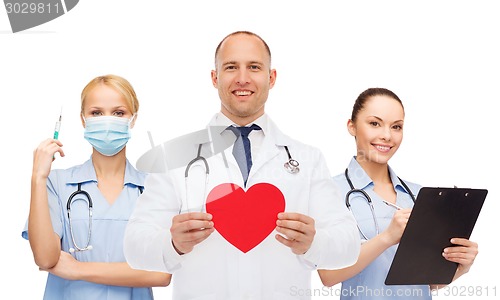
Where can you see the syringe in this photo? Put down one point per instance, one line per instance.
(58, 126)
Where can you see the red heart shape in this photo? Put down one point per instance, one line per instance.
(245, 219)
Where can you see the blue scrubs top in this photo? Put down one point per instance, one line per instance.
(369, 283)
(108, 228)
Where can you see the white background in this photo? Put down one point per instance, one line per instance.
(440, 57)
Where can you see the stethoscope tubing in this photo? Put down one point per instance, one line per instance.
(79, 191)
(90, 204)
(368, 200)
(291, 166)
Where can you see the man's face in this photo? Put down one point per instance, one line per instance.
(243, 78)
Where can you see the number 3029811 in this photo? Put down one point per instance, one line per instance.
(467, 291)
(32, 8)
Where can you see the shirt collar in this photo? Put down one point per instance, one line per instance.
(357, 175)
(361, 180)
(396, 182)
(224, 122)
(133, 176)
(86, 173)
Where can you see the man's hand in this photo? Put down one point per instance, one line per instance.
(298, 229)
(190, 229)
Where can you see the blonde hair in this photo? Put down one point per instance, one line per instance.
(118, 83)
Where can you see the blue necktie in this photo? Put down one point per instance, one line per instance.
(241, 148)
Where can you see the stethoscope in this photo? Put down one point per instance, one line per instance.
(291, 166)
(79, 191)
(369, 200)
(198, 157)
(88, 199)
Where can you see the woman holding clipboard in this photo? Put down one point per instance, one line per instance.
(381, 203)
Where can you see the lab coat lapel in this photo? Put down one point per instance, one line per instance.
(234, 169)
(268, 151)
(270, 147)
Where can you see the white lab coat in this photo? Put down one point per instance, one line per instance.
(215, 269)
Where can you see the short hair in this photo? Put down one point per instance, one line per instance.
(242, 32)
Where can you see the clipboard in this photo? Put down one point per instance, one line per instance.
(438, 215)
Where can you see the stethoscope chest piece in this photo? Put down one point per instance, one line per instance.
(292, 166)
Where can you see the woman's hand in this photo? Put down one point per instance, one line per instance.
(43, 157)
(394, 231)
(463, 252)
(66, 267)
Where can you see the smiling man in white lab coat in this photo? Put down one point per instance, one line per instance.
(255, 236)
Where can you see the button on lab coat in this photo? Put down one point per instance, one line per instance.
(215, 269)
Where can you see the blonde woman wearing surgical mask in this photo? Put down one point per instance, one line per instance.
(83, 254)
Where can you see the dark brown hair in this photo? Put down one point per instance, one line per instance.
(364, 96)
